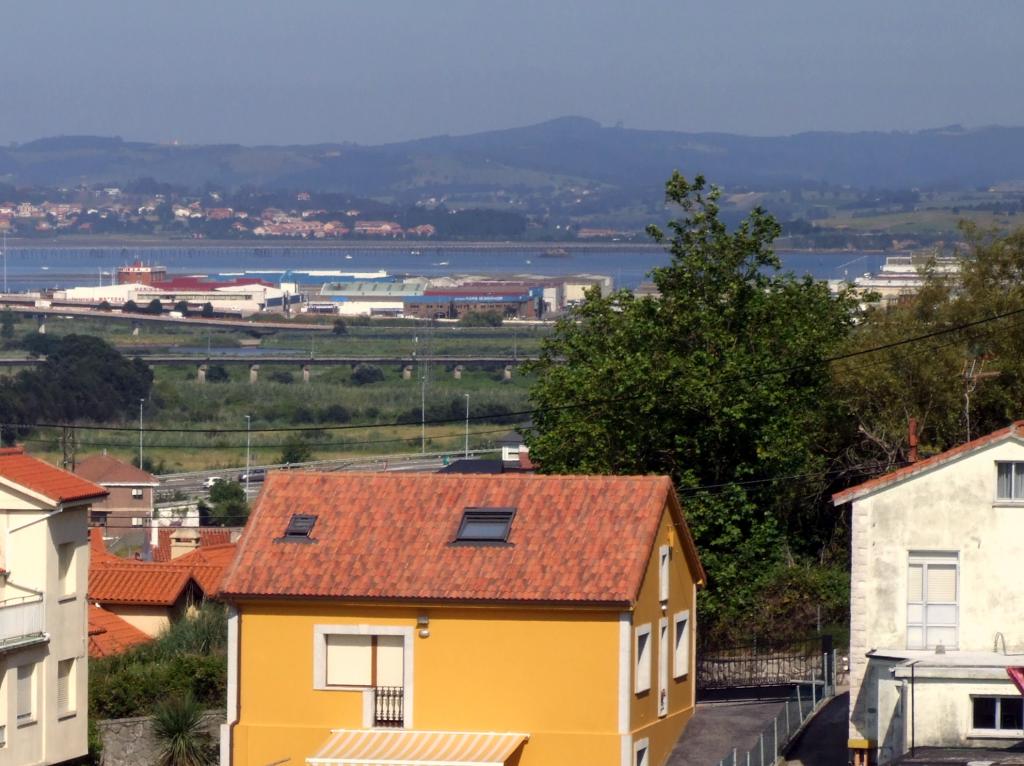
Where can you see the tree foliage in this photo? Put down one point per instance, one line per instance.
(228, 506)
(717, 383)
(295, 450)
(82, 379)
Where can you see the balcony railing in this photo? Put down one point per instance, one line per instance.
(388, 706)
(21, 620)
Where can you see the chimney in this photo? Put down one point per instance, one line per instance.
(912, 440)
(183, 541)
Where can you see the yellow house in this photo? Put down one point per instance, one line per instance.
(455, 619)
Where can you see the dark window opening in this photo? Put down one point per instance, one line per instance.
(485, 525)
(300, 526)
(998, 713)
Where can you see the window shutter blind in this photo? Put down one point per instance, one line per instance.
(941, 584)
(349, 660)
(25, 692)
(390, 661)
(915, 588)
(63, 686)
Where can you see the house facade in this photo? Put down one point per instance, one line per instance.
(44, 560)
(936, 611)
(129, 502)
(445, 618)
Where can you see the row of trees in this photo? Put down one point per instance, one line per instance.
(738, 383)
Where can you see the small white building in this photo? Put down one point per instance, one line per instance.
(936, 604)
(44, 564)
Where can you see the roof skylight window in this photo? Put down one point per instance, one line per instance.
(300, 526)
(485, 525)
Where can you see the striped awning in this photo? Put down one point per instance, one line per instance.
(404, 747)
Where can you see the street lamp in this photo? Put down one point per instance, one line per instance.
(467, 425)
(248, 444)
(140, 432)
(423, 414)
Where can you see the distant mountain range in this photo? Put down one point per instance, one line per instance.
(553, 155)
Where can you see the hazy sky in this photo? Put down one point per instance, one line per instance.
(303, 71)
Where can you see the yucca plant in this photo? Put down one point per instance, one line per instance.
(178, 725)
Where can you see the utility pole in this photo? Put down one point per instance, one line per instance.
(248, 443)
(467, 425)
(141, 401)
(423, 414)
(5, 261)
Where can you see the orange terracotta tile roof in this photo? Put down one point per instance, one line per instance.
(104, 469)
(1015, 429)
(137, 582)
(207, 537)
(208, 564)
(110, 634)
(581, 539)
(38, 476)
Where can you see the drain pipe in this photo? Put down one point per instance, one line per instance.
(913, 711)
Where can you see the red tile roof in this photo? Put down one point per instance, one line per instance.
(583, 539)
(104, 469)
(208, 564)
(41, 478)
(137, 582)
(1015, 429)
(207, 537)
(110, 634)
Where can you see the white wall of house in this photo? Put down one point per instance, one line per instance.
(54, 732)
(951, 512)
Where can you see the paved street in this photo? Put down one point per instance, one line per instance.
(823, 742)
(717, 727)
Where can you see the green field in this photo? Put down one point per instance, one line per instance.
(339, 417)
(938, 222)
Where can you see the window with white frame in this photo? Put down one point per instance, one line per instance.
(933, 599)
(26, 692)
(66, 569)
(1010, 481)
(3, 707)
(642, 658)
(360, 660)
(664, 558)
(66, 687)
(641, 753)
(137, 493)
(998, 714)
(663, 666)
(681, 644)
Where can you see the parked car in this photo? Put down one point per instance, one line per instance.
(255, 474)
(212, 480)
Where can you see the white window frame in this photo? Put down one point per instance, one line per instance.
(681, 644)
(3, 707)
(663, 644)
(29, 718)
(664, 561)
(320, 633)
(642, 659)
(642, 752)
(138, 493)
(71, 692)
(996, 732)
(924, 559)
(1011, 500)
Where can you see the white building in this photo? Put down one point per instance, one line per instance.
(44, 564)
(936, 607)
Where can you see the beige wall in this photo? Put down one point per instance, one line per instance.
(31, 557)
(951, 508)
(151, 620)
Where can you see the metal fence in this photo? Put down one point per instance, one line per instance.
(760, 664)
(21, 618)
(800, 706)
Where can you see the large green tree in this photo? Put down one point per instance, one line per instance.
(717, 382)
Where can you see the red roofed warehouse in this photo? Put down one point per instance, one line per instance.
(453, 618)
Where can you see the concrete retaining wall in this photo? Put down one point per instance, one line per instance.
(130, 741)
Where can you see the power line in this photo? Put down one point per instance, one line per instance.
(568, 406)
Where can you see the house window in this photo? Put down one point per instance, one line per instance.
(66, 687)
(1010, 481)
(66, 569)
(360, 660)
(485, 525)
(26, 694)
(681, 645)
(998, 714)
(137, 493)
(664, 556)
(642, 656)
(932, 600)
(663, 666)
(641, 753)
